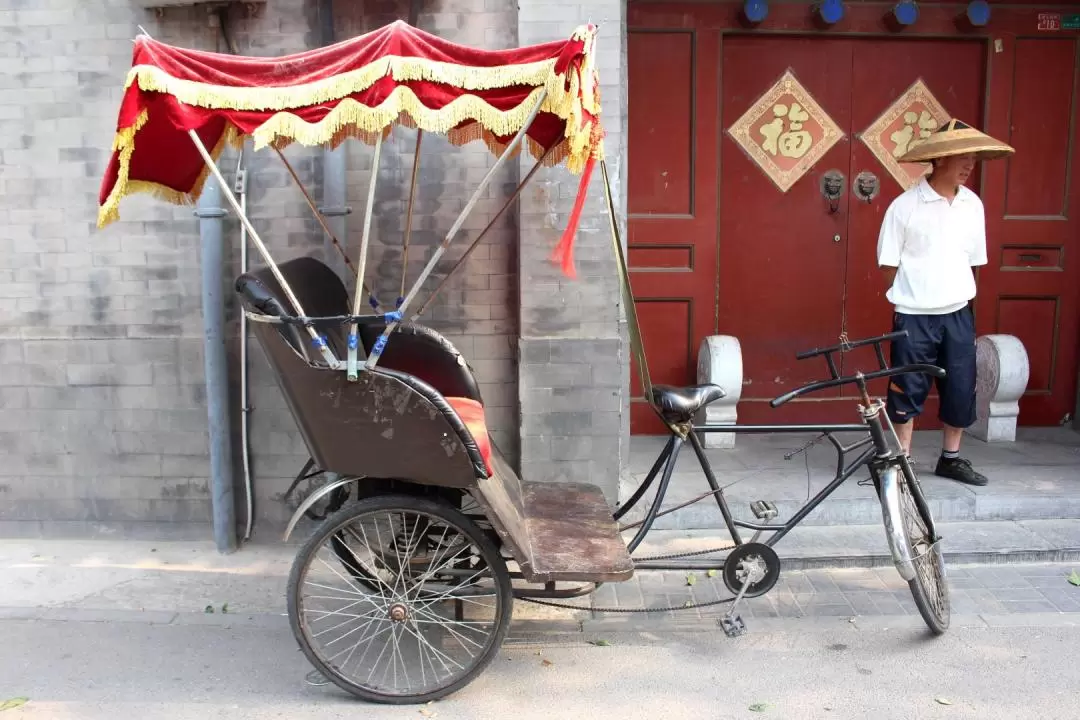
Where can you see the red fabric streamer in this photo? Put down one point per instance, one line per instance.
(564, 251)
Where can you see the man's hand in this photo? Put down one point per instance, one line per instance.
(890, 275)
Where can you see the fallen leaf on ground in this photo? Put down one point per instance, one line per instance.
(1074, 578)
(427, 713)
(225, 608)
(13, 703)
(711, 573)
(209, 610)
(601, 643)
(691, 578)
(759, 707)
(942, 701)
(546, 663)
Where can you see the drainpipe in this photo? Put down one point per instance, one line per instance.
(212, 261)
(335, 163)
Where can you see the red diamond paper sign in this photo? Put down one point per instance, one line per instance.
(785, 132)
(904, 124)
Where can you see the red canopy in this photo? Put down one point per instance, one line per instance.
(356, 88)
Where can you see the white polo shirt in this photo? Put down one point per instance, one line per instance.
(934, 243)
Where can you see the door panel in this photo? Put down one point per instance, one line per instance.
(1030, 289)
(882, 73)
(782, 254)
(671, 243)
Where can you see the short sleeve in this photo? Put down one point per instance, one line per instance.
(978, 238)
(890, 239)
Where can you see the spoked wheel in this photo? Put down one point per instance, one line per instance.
(399, 599)
(929, 587)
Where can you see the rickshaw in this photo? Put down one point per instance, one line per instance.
(404, 591)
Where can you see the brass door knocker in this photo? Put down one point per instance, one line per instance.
(832, 188)
(866, 186)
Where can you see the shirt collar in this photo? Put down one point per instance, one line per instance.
(928, 194)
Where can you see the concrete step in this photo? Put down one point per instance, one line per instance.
(1034, 479)
(809, 547)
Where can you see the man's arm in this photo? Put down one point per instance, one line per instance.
(890, 275)
(890, 243)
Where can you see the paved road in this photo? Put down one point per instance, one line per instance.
(247, 669)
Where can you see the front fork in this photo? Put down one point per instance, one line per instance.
(890, 468)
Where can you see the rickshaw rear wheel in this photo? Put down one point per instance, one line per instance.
(428, 557)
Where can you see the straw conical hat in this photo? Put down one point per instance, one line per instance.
(957, 138)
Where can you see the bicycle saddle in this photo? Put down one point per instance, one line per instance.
(678, 404)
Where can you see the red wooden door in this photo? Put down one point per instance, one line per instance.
(729, 247)
(891, 79)
(782, 246)
(1031, 287)
(671, 243)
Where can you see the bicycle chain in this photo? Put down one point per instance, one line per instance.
(630, 610)
(673, 556)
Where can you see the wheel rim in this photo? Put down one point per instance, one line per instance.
(926, 555)
(411, 608)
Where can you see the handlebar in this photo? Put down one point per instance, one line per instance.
(933, 370)
(844, 347)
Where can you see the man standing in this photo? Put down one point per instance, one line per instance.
(932, 237)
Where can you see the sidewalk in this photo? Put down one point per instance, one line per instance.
(191, 584)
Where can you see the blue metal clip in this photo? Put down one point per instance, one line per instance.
(380, 345)
(373, 302)
(393, 316)
(319, 341)
(401, 299)
(353, 342)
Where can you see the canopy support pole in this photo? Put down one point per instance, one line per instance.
(354, 340)
(637, 348)
(316, 339)
(408, 217)
(380, 344)
(461, 261)
(320, 218)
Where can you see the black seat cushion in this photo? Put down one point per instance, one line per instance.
(423, 352)
(678, 404)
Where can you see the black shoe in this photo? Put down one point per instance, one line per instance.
(960, 470)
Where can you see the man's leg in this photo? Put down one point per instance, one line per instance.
(957, 392)
(908, 392)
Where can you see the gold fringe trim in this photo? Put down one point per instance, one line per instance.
(353, 119)
(402, 69)
(124, 141)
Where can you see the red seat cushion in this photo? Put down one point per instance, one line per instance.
(472, 414)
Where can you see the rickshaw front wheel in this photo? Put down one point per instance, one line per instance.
(399, 599)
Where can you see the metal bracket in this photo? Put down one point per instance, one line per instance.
(336, 211)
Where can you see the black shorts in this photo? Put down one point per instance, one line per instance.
(947, 341)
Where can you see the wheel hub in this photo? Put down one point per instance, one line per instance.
(398, 613)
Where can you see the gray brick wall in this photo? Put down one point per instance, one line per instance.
(574, 358)
(102, 401)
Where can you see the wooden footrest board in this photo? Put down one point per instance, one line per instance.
(572, 535)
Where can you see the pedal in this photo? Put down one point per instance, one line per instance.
(733, 625)
(763, 509)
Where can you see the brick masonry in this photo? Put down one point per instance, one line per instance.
(574, 360)
(102, 399)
